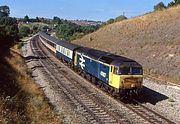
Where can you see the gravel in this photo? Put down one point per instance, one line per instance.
(166, 97)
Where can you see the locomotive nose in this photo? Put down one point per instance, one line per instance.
(131, 82)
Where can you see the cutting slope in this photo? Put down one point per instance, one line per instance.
(152, 39)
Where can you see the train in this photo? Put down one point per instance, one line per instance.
(114, 73)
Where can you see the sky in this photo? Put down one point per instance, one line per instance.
(98, 10)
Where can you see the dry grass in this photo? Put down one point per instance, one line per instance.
(22, 101)
(153, 40)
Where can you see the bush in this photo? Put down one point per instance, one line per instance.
(24, 31)
(120, 18)
(110, 21)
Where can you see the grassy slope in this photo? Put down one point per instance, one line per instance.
(152, 39)
(21, 100)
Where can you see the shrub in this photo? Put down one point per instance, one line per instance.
(24, 31)
(110, 21)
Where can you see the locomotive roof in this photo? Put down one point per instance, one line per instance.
(123, 61)
(109, 58)
(63, 43)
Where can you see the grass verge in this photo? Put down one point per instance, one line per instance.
(21, 100)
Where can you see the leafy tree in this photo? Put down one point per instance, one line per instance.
(57, 20)
(8, 28)
(37, 19)
(120, 18)
(26, 18)
(160, 6)
(4, 11)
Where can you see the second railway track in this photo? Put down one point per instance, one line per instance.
(90, 105)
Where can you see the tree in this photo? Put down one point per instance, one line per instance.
(88, 29)
(35, 29)
(177, 2)
(120, 18)
(45, 28)
(171, 4)
(8, 28)
(37, 19)
(67, 30)
(57, 20)
(26, 18)
(4, 11)
(160, 6)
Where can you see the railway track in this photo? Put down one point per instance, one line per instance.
(90, 105)
(146, 113)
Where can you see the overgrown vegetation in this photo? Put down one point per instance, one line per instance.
(21, 100)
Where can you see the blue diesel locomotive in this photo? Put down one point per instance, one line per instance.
(113, 72)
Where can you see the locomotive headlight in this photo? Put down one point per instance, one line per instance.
(133, 85)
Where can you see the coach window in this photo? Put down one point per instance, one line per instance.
(58, 48)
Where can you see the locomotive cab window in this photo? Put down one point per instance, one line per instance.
(125, 70)
(137, 71)
(111, 69)
(130, 70)
(116, 70)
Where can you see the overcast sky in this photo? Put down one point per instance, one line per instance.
(100, 10)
